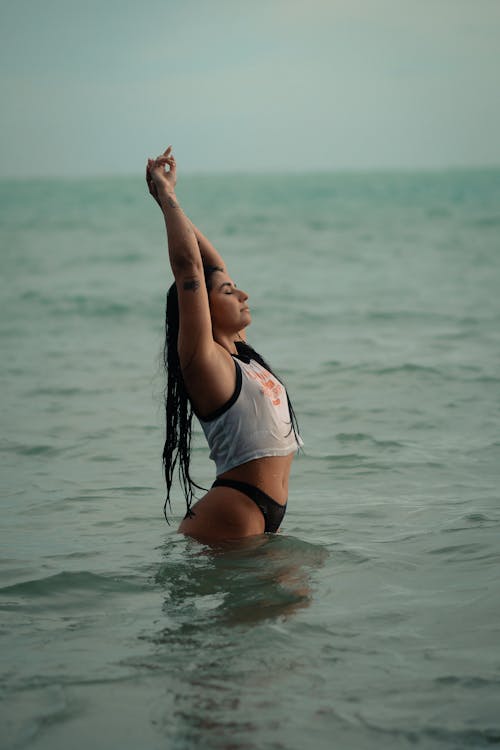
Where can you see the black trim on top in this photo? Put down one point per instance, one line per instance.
(242, 358)
(222, 409)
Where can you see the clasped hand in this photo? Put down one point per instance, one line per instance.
(158, 178)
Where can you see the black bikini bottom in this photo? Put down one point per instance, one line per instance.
(272, 511)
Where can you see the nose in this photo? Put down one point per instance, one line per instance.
(243, 295)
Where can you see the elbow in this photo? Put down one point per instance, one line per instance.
(186, 264)
(184, 254)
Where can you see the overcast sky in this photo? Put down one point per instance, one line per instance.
(95, 86)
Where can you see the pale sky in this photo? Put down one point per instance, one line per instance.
(95, 86)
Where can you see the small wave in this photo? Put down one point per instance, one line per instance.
(472, 738)
(86, 306)
(133, 489)
(69, 581)
(332, 364)
(90, 495)
(20, 449)
(357, 557)
(369, 368)
(486, 221)
(462, 552)
(55, 391)
(486, 379)
(484, 450)
(399, 315)
(407, 367)
(348, 437)
(341, 457)
(317, 225)
(128, 258)
(477, 518)
(82, 305)
(470, 681)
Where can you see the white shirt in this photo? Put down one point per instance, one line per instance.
(254, 423)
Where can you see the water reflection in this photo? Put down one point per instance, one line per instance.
(239, 582)
(225, 641)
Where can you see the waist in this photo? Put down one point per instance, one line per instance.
(270, 474)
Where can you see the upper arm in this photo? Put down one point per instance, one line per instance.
(207, 369)
(195, 324)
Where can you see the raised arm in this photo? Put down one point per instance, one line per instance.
(195, 329)
(208, 369)
(210, 256)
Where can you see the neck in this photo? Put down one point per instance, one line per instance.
(226, 340)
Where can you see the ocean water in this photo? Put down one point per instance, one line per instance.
(373, 619)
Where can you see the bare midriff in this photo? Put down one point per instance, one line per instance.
(270, 474)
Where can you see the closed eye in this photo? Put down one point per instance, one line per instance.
(230, 287)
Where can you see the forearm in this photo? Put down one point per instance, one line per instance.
(183, 246)
(209, 254)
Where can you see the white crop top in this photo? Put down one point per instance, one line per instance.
(254, 423)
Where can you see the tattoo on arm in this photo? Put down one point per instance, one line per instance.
(191, 285)
(171, 202)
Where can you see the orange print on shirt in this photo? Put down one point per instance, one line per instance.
(269, 387)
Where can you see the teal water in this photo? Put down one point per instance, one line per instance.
(372, 620)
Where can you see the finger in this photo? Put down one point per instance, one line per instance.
(167, 150)
(163, 161)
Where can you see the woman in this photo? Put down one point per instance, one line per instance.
(242, 407)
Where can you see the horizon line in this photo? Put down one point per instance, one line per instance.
(278, 172)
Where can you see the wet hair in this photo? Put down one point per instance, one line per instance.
(178, 408)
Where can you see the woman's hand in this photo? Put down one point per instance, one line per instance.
(158, 179)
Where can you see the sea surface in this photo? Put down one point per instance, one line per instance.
(373, 619)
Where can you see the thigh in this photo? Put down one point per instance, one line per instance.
(223, 513)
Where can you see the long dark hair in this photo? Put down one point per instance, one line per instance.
(178, 409)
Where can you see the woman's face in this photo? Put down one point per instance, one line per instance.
(228, 304)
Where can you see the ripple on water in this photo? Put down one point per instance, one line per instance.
(68, 583)
(22, 449)
(466, 552)
(358, 437)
